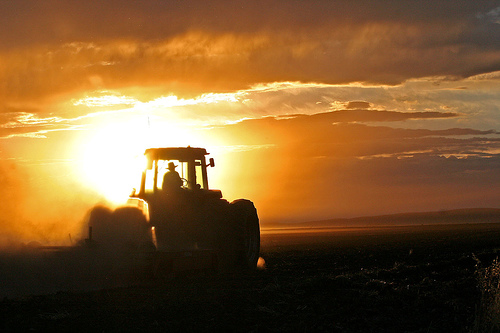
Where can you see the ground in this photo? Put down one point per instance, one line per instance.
(395, 279)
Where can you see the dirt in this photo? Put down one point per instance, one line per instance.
(395, 279)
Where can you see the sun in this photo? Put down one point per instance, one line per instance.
(112, 157)
(113, 161)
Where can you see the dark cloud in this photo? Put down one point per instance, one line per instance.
(59, 47)
(322, 143)
(358, 105)
(355, 169)
(358, 169)
(335, 126)
(377, 116)
(58, 21)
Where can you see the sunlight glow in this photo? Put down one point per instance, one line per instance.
(112, 156)
(172, 101)
(112, 152)
(113, 161)
(24, 119)
(106, 100)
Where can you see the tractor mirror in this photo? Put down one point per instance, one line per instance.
(212, 162)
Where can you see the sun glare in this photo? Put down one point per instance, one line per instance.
(113, 155)
(112, 152)
(112, 162)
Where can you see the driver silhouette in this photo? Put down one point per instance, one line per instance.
(171, 179)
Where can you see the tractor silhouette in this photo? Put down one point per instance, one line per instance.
(174, 214)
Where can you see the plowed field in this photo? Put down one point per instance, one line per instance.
(394, 279)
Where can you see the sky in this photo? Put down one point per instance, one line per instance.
(311, 109)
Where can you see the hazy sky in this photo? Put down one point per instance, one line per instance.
(312, 109)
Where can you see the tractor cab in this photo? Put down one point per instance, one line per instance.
(189, 163)
(180, 213)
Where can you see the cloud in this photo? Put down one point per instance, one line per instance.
(345, 126)
(418, 100)
(55, 48)
(358, 105)
(377, 116)
(24, 124)
(356, 170)
(54, 21)
(294, 183)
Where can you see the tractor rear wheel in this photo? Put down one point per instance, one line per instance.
(247, 223)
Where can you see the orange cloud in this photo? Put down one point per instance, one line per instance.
(314, 165)
(53, 48)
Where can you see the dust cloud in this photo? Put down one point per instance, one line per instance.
(34, 268)
(42, 229)
(49, 213)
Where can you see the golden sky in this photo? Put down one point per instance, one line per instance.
(312, 109)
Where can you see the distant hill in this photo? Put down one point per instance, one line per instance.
(457, 216)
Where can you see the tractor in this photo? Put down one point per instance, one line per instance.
(174, 214)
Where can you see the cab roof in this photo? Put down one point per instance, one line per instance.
(175, 153)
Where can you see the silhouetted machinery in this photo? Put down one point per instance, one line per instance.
(177, 219)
